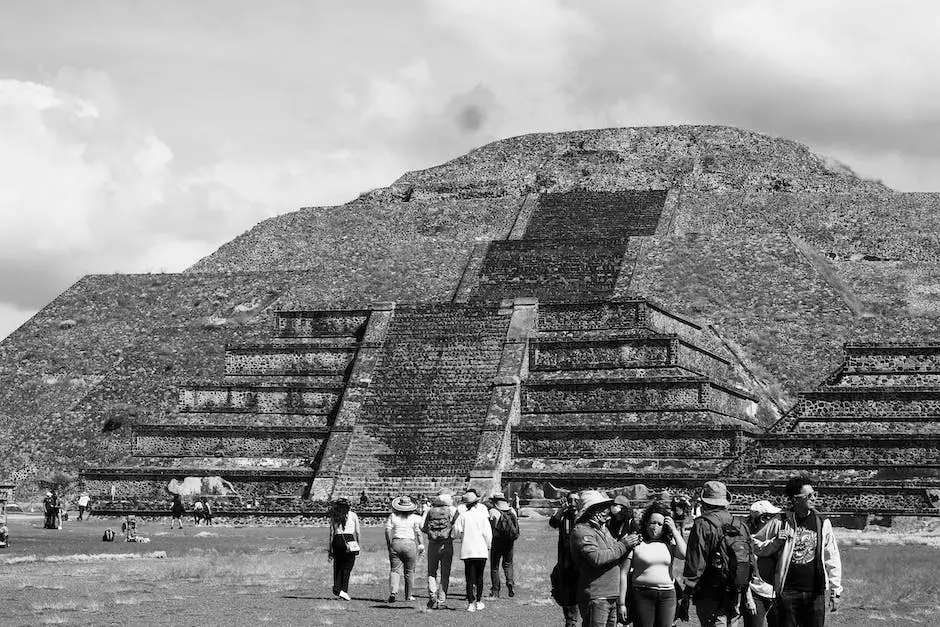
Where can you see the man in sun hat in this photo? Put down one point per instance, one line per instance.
(405, 542)
(505, 531)
(703, 581)
(597, 556)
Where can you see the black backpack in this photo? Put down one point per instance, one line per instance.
(507, 526)
(734, 557)
(108, 536)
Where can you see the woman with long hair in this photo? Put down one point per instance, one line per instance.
(344, 545)
(405, 543)
(646, 573)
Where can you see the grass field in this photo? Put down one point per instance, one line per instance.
(233, 575)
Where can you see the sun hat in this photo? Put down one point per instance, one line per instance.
(471, 496)
(403, 504)
(443, 500)
(591, 500)
(500, 502)
(764, 507)
(715, 493)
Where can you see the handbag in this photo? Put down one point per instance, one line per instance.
(352, 546)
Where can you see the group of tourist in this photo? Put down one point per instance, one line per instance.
(202, 511)
(487, 529)
(777, 568)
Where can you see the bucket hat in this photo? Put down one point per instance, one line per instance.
(471, 496)
(764, 507)
(715, 493)
(500, 502)
(403, 504)
(591, 500)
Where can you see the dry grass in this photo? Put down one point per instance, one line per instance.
(250, 576)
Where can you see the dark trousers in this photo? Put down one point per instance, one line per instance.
(473, 568)
(598, 612)
(801, 609)
(501, 550)
(343, 562)
(711, 608)
(653, 608)
(440, 557)
(81, 512)
(766, 615)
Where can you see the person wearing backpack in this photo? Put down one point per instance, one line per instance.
(719, 561)
(438, 526)
(505, 524)
(809, 565)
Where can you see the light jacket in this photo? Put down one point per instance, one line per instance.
(766, 543)
(473, 525)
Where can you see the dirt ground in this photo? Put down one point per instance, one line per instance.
(235, 575)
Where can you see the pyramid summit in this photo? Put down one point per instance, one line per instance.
(641, 305)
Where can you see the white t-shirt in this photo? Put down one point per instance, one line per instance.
(650, 563)
(83, 500)
(404, 527)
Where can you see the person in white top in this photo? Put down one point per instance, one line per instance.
(83, 502)
(646, 572)
(405, 542)
(473, 526)
(344, 545)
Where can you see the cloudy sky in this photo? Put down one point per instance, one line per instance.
(139, 136)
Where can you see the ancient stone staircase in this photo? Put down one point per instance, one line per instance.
(624, 390)
(871, 432)
(261, 429)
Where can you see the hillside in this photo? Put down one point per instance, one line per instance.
(786, 253)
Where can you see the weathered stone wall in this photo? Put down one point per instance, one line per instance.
(295, 399)
(579, 216)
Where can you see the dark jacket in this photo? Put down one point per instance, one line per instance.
(177, 508)
(597, 557)
(563, 521)
(699, 573)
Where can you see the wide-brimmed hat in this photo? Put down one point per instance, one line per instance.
(442, 500)
(500, 502)
(403, 504)
(715, 493)
(592, 500)
(764, 507)
(471, 496)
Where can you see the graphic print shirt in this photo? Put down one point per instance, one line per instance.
(803, 570)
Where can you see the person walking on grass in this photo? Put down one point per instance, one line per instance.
(564, 577)
(83, 502)
(473, 526)
(646, 577)
(439, 526)
(176, 511)
(197, 512)
(809, 565)
(505, 523)
(344, 545)
(405, 543)
(206, 511)
(597, 556)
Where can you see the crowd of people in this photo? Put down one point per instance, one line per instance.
(202, 512)
(487, 529)
(775, 568)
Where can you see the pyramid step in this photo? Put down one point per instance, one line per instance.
(151, 440)
(650, 418)
(273, 398)
(893, 356)
(288, 360)
(241, 420)
(875, 401)
(324, 323)
(848, 451)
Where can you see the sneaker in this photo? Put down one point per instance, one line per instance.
(411, 599)
(344, 595)
(391, 598)
(509, 589)
(480, 605)
(494, 594)
(471, 607)
(432, 604)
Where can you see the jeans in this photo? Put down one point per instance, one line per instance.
(343, 562)
(81, 512)
(652, 607)
(571, 613)
(502, 549)
(473, 568)
(766, 615)
(440, 557)
(711, 608)
(801, 609)
(402, 556)
(599, 612)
